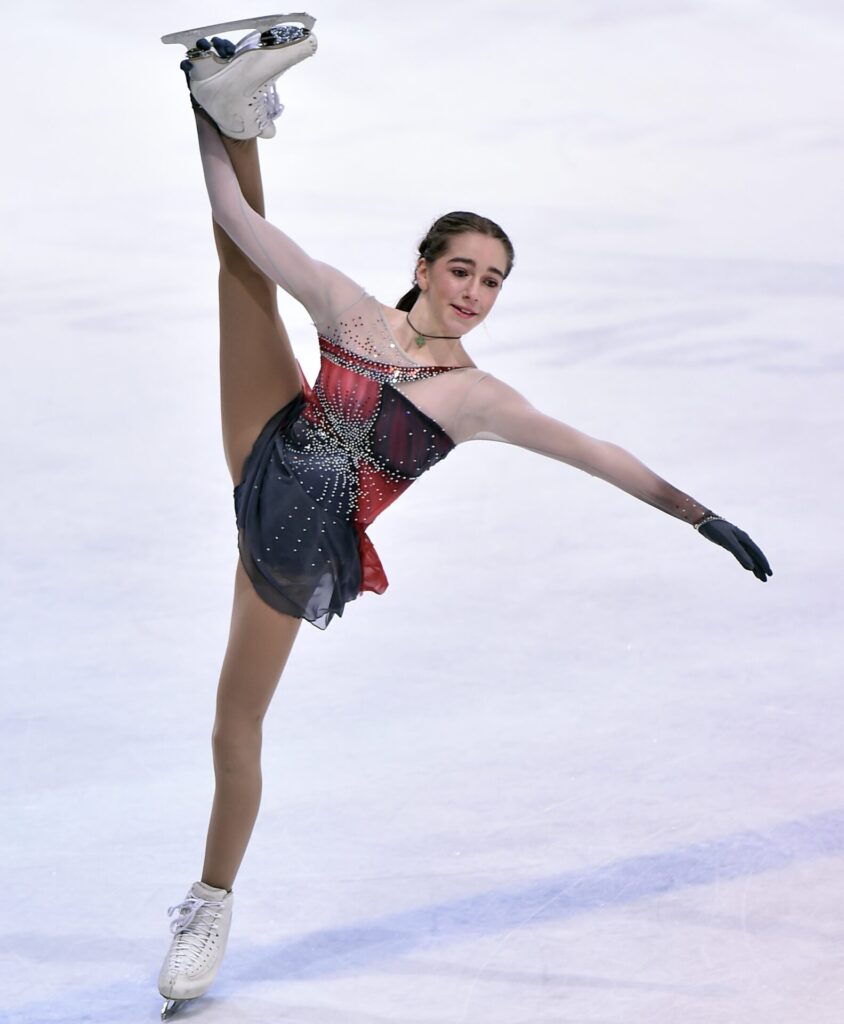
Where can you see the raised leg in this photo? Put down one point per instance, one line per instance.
(258, 370)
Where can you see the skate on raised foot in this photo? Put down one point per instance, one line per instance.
(200, 931)
(235, 83)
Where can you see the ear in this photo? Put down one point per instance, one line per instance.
(422, 273)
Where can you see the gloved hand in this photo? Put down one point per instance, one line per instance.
(736, 541)
(225, 48)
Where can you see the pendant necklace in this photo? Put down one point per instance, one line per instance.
(420, 338)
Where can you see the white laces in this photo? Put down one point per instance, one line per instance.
(271, 101)
(188, 909)
(267, 105)
(192, 927)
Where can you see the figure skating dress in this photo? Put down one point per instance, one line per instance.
(320, 472)
(375, 419)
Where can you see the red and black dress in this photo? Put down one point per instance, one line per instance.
(320, 472)
(332, 459)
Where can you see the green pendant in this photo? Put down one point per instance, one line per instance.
(420, 341)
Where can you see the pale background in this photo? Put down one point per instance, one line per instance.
(575, 765)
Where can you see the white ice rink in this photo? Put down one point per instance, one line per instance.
(575, 766)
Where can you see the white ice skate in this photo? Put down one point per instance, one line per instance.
(200, 930)
(237, 88)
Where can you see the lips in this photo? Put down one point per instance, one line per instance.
(467, 314)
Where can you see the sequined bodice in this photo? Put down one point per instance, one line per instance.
(360, 442)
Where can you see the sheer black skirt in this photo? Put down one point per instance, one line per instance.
(302, 557)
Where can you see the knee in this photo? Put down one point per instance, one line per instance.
(236, 745)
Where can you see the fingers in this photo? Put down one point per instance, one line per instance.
(732, 544)
(756, 553)
(761, 570)
(749, 555)
(224, 47)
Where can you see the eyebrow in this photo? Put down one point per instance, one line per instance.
(471, 263)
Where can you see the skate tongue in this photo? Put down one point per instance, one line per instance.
(202, 891)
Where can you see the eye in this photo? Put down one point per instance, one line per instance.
(491, 282)
(458, 271)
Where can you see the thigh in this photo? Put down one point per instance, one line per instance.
(260, 641)
(258, 370)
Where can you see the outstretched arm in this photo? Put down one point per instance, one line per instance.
(321, 289)
(495, 411)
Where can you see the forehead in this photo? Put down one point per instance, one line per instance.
(474, 243)
(485, 252)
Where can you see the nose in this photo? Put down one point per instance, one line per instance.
(471, 287)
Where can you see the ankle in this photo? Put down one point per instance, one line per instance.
(217, 881)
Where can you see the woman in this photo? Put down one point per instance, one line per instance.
(313, 467)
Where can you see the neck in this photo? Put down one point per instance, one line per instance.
(429, 337)
(425, 328)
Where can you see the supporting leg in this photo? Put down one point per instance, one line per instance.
(259, 644)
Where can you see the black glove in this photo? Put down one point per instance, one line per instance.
(736, 541)
(225, 48)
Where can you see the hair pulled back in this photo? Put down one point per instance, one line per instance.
(435, 243)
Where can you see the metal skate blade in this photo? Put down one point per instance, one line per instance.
(172, 1007)
(189, 36)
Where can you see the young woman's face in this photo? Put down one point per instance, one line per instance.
(461, 286)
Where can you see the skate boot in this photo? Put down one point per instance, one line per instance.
(264, 106)
(235, 83)
(200, 931)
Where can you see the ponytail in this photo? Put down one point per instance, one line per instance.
(408, 300)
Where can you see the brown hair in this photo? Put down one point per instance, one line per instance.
(435, 243)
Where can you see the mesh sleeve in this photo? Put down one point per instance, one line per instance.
(322, 290)
(496, 412)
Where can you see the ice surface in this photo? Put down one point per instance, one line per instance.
(620, 799)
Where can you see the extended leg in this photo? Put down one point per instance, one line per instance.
(258, 371)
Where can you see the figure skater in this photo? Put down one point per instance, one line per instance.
(314, 465)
